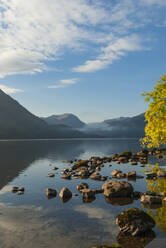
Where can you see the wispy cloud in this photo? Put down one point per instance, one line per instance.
(69, 81)
(63, 83)
(114, 51)
(57, 86)
(9, 90)
(35, 32)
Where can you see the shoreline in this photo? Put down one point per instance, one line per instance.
(6, 140)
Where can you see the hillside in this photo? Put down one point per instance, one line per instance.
(64, 119)
(16, 121)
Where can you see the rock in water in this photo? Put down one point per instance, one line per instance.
(65, 194)
(51, 192)
(117, 189)
(82, 186)
(134, 222)
(80, 163)
(149, 199)
(88, 195)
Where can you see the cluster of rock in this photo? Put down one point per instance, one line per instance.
(129, 175)
(89, 168)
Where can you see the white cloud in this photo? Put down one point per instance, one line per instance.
(35, 32)
(114, 51)
(63, 83)
(8, 90)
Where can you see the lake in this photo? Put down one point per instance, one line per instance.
(33, 220)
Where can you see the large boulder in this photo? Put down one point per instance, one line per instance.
(117, 189)
(134, 222)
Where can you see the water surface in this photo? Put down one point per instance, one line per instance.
(31, 220)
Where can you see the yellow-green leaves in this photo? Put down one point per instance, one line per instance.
(155, 130)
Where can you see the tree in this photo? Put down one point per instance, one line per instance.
(155, 116)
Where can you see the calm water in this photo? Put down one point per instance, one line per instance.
(31, 220)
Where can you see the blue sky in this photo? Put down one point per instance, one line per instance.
(92, 58)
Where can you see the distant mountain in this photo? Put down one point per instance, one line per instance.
(16, 121)
(123, 127)
(64, 119)
(128, 126)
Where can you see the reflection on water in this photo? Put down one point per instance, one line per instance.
(31, 220)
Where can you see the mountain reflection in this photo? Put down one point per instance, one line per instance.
(16, 156)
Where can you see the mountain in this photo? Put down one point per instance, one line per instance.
(16, 121)
(69, 120)
(128, 126)
(123, 127)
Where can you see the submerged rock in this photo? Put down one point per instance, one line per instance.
(117, 189)
(65, 194)
(134, 222)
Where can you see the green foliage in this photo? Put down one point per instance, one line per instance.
(155, 130)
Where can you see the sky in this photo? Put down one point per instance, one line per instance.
(92, 58)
